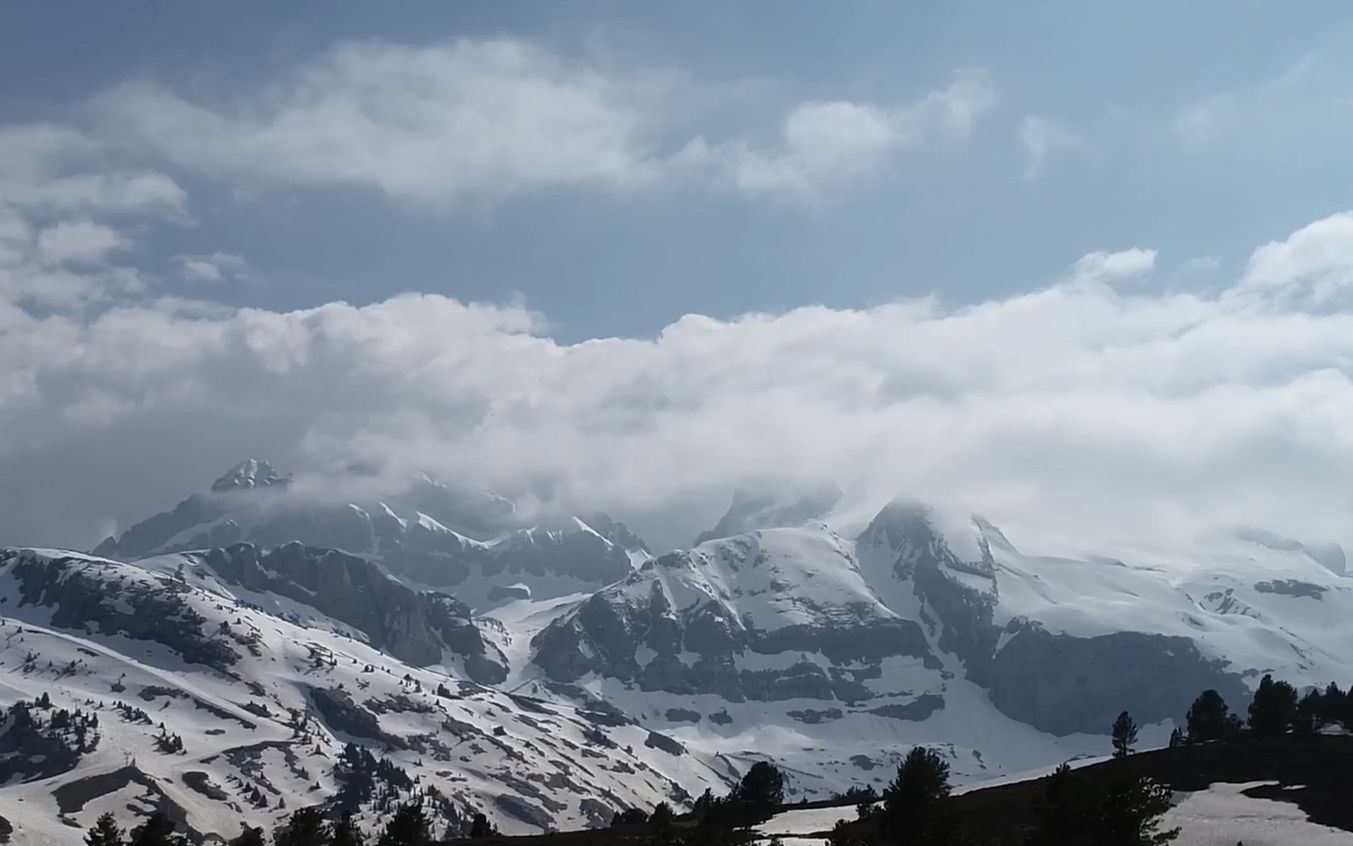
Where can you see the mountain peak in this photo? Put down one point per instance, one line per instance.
(249, 474)
(772, 504)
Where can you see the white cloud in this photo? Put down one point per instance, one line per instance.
(436, 124)
(488, 120)
(1309, 87)
(213, 268)
(824, 144)
(58, 188)
(52, 168)
(1105, 267)
(80, 241)
(1042, 138)
(1202, 264)
(1090, 409)
(1318, 259)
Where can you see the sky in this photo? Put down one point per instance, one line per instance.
(1077, 266)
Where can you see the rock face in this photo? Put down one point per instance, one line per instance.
(83, 593)
(1063, 684)
(692, 623)
(413, 627)
(1061, 645)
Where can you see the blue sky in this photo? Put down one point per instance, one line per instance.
(966, 216)
(1083, 269)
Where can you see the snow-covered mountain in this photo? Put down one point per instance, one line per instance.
(426, 532)
(551, 674)
(836, 653)
(223, 705)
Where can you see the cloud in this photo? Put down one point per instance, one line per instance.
(489, 120)
(1316, 259)
(1201, 264)
(213, 268)
(825, 144)
(62, 265)
(1105, 267)
(486, 119)
(51, 168)
(1085, 410)
(1042, 138)
(61, 190)
(80, 241)
(1310, 87)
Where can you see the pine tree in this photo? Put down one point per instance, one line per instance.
(1130, 814)
(346, 832)
(763, 787)
(408, 827)
(1307, 714)
(1210, 719)
(1177, 737)
(480, 827)
(158, 830)
(1124, 735)
(1063, 815)
(661, 818)
(105, 832)
(1274, 707)
(307, 827)
(250, 837)
(909, 806)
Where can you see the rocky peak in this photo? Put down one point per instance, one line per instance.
(773, 505)
(250, 474)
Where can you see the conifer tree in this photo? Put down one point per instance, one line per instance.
(1124, 735)
(158, 830)
(1274, 707)
(910, 814)
(104, 832)
(1210, 719)
(1063, 814)
(763, 786)
(1130, 814)
(307, 827)
(480, 827)
(346, 832)
(408, 827)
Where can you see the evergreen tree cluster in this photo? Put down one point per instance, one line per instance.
(37, 739)
(1126, 812)
(1275, 709)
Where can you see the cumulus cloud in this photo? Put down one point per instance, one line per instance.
(1316, 259)
(1093, 410)
(1106, 267)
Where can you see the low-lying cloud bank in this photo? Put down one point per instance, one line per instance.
(1088, 410)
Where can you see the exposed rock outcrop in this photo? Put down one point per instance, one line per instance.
(414, 627)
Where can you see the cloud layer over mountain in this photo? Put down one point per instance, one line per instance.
(1090, 408)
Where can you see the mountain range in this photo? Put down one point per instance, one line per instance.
(236, 648)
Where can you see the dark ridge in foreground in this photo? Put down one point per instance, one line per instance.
(1311, 772)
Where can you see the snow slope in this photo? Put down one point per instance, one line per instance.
(257, 723)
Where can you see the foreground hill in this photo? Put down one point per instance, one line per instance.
(221, 712)
(1284, 790)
